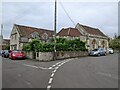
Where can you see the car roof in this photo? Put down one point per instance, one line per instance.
(16, 50)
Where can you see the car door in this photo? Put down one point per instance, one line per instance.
(101, 51)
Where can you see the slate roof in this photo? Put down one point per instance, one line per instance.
(27, 30)
(69, 32)
(93, 31)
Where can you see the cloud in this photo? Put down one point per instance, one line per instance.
(99, 15)
(103, 15)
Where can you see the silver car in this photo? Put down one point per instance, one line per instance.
(98, 52)
(110, 50)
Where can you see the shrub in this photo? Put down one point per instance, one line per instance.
(35, 45)
(26, 47)
(61, 45)
(60, 40)
(47, 47)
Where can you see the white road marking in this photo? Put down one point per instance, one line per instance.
(43, 68)
(107, 74)
(31, 66)
(63, 62)
(52, 74)
(35, 66)
(59, 65)
(54, 71)
(48, 87)
(50, 80)
(56, 67)
(53, 65)
(50, 68)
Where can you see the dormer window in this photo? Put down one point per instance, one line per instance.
(44, 36)
(35, 35)
(32, 35)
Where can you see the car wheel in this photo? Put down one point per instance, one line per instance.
(98, 54)
(105, 54)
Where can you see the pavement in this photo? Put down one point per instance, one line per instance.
(83, 72)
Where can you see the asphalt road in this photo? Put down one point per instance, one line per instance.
(84, 72)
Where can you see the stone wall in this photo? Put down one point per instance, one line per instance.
(48, 56)
(70, 54)
(44, 56)
(29, 55)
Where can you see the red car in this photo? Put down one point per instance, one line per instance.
(16, 54)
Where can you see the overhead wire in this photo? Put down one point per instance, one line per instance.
(66, 13)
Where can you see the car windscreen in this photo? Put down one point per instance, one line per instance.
(6, 51)
(95, 50)
(17, 51)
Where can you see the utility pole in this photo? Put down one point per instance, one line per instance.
(55, 23)
(55, 17)
(1, 37)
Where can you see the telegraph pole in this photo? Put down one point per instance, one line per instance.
(55, 17)
(1, 37)
(55, 23)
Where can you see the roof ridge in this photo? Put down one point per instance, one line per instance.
(87, 26)
(90, 27)
(33, 27)
(95, 30)
(69, 28)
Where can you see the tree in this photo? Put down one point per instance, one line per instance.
(60, 40)
(35, 45)
(115, 43)
(26, 47)
(32, 46)
(119, 37)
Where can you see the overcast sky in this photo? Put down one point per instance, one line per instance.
(102, 15)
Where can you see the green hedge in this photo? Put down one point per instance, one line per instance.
(47, 47)
(61, 45)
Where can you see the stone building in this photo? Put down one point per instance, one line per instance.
(5, 44)
(23, 34)
(93, 37)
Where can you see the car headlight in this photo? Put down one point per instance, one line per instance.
(13, 54)
(95, 52)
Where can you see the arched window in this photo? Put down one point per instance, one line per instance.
(103, 44)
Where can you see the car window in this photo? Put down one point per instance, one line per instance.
(110, 48)
(6, 51)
